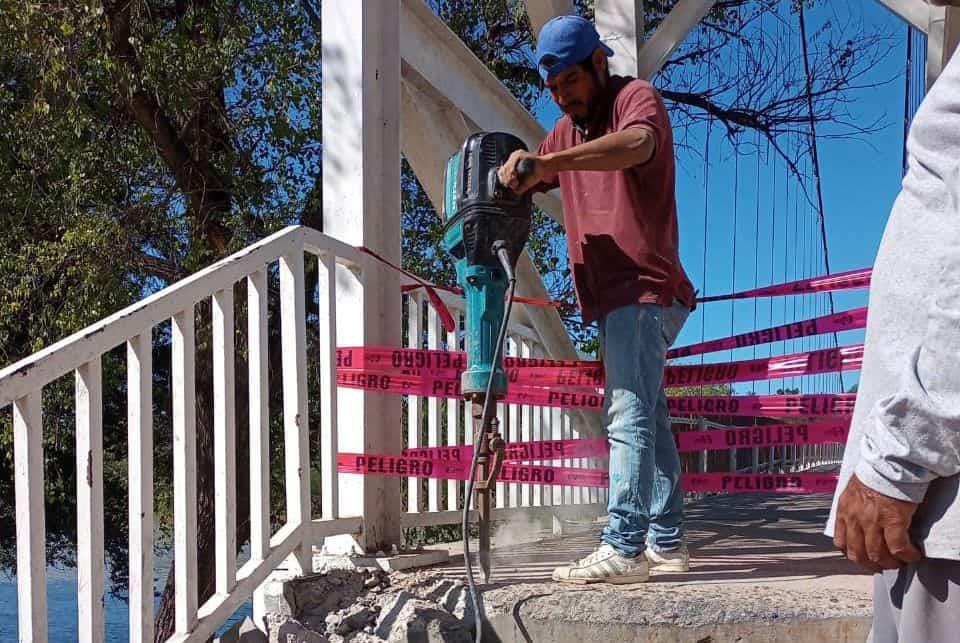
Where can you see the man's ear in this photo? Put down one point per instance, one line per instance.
(600, 62)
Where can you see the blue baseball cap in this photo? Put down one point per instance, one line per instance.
(564, 42)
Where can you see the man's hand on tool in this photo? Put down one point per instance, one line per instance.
(508, 176)
(872, 529)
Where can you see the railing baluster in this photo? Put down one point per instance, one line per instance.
(578, 492)
(538, 428)
(504, 421)
(327, 342)
(556, 427)
(295, 420)
(526, 426)
(566, 426)
(513, 432)
(433, 410)
(31, 527)
(224, 441)
(89, 391)
(453, 419)
(414, 341)
(140, 481)
(259, 409)
(185, 470)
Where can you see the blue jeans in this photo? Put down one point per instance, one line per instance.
(646, 500)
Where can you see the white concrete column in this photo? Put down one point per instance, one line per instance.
(541, 12)
(361, 206)
(620, 25)
(943, 34)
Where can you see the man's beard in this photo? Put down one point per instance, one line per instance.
(596, 108)
(588, 118)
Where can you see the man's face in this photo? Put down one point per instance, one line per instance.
(575, 90)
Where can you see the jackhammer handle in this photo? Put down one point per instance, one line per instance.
(525, 168)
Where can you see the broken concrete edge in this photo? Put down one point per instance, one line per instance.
(509, 628)
(364, 606)
(402, 561)
(371, 605)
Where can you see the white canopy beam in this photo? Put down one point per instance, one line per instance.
(674, 29)
(541, 12)
(915, 12)
(620, 25)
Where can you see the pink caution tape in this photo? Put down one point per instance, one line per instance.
(828, 404)
(688, 441)
(400, 466)
(838, 322)
(824, 404)
(440, 371)
(384, 358)
(840, 281)
(446, 318)
(830, 360)
(521, 451)
(532, 301)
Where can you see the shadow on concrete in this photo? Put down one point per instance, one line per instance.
(732, 539)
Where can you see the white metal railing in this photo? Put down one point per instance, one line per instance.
(431, 423)
(22, 385)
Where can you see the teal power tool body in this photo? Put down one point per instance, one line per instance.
(486, 228)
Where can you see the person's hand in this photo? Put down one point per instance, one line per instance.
(509, 177)
(872, 529)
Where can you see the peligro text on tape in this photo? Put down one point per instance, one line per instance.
(399, 466)
(773, 406)
(688, 441)
(770, 435)
(521, 451)
(372, 357)
(823, 404)
(440, 372)
(761, 482)
(837, 322)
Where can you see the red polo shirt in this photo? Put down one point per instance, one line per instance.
(622, 237)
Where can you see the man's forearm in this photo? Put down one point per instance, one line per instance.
(614, 151)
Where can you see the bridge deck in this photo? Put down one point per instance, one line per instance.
(761, 570)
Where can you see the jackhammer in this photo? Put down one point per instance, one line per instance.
(486, 228)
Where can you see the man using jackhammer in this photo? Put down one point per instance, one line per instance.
(897, 508)
(611, 154)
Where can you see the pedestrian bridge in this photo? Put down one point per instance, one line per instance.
(264, 287)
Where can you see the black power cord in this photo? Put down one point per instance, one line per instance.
(500, 249)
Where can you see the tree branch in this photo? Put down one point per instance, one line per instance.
(202, 187)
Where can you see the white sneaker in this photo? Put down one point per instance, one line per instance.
(677, 560)
(605, 566)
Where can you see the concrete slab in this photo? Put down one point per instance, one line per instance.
(761, 571)
(403, 561)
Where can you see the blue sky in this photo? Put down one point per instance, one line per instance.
(860, 180)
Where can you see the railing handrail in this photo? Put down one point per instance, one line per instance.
(58, 359)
